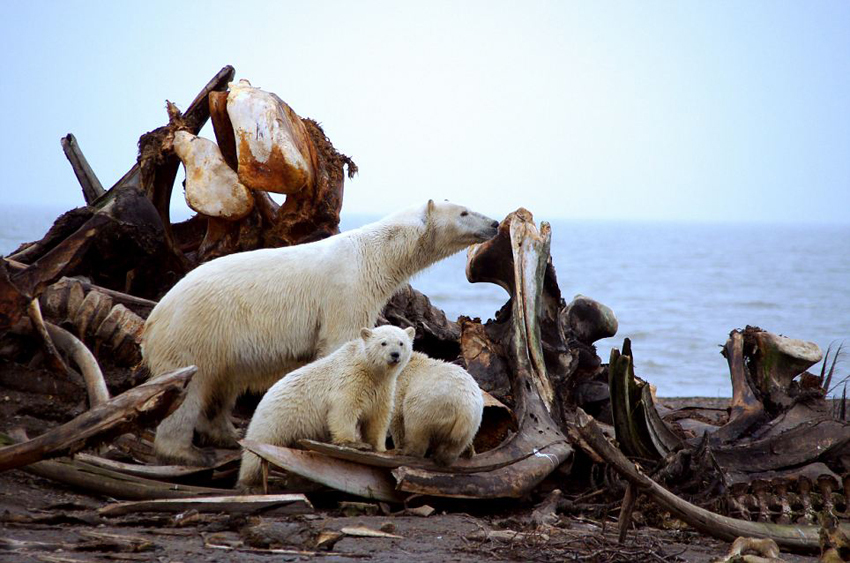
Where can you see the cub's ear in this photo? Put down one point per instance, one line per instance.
(365, 333)
(411, 332)
(429, 208)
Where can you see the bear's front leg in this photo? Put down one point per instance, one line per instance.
(342, 425)
(376, 426)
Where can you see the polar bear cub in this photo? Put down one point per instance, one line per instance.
(346, 396)
(438, 406)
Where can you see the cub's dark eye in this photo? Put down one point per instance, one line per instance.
(464, 213)
(383, 343)
(400, 343)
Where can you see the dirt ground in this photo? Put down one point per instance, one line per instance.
(69, 528)
(63, 525)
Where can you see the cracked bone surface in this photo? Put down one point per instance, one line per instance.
(212, 187)
(273, 148)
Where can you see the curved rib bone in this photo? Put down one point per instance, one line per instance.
(85, 360)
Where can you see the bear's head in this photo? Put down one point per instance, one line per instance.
(388, 347)
(456, 226)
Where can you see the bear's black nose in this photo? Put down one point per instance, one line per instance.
(394, 355)
(495, 224)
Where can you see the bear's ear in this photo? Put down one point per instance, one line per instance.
(411, 332)
(429, 209)
(365, 333)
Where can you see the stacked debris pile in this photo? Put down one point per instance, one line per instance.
(561, 428)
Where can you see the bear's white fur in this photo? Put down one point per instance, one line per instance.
(247, 319)
(438, 407)
(346, 397)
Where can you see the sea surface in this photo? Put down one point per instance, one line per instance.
(677, 289)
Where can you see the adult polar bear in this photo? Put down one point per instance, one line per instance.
(247, 319)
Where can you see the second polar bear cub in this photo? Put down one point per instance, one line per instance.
(438, 406)
(346, 396)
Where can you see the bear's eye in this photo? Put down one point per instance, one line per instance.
(400, 343)
(383, 343)
(464, 213)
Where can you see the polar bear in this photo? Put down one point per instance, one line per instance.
(438, 406)
(247, 319)
(347, 397)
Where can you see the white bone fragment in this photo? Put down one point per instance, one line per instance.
(212, 187)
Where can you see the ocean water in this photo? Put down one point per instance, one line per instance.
(677, 289)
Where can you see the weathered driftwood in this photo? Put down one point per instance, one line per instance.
(101, 481)
(138, 406)
(723, 527)
(92, 188)
(159, 472)
(231, 504)
(346, 476)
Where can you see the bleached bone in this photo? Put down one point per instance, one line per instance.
(212, 187)
(273, 148)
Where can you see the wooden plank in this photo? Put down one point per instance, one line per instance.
(84, 477)
(162, 472)
(231, 504)
(146, 403)
(92, 188)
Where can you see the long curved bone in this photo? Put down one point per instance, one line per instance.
(85, 360)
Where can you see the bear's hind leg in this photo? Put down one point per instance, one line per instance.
(173, 442)
(215, 428)
(250, 472)
(416, 440)
(446, 453)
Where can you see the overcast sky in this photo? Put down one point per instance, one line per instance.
(711, 111)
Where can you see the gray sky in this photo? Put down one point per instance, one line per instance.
(708, 111)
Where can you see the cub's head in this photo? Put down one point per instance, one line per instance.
(388, 346)
(457, 226)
